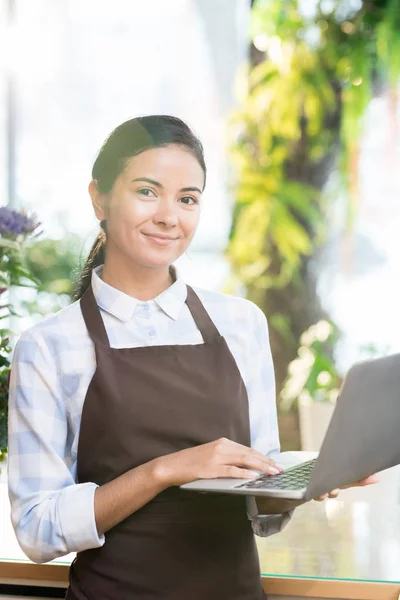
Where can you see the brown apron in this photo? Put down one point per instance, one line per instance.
(143, 403)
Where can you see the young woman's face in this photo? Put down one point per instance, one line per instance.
(153, 209)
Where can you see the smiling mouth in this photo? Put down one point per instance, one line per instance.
(160, 240)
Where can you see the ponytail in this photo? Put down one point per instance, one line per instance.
(97, 256)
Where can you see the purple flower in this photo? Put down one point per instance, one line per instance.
(13, 223)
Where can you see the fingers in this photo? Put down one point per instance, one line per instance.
(251, 461)
(239, 455)
(240, 448)
(362, 483)
(372, 479)
(266, 459)
(321, 498)
(332, 494)
(237, 473)
(368, 480)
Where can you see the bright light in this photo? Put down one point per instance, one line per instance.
(271, 45)
(332, 508)
(261, 42)
(324, 378)
(30, 52)
(275, 50)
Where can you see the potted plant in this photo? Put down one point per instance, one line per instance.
(313, 382)
(15, 229)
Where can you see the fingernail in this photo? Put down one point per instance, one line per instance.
(273, 471)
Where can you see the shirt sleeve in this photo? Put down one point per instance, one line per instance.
(52, 515)
(260, 385)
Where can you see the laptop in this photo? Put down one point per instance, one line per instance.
(362, 439)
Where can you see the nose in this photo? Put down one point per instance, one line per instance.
(167, 213)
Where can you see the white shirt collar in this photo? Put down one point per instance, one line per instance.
(123, 306)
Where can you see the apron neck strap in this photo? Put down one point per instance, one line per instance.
(97, 331)
(201, 317)
(93, 319)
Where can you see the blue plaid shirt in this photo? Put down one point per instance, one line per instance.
(52, 366)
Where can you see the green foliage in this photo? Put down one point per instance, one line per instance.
(50, 266)
(15, 229)
(388, 42)
(4, 376)
(312, 375)
(301, 117)
(13, 271)
(54, 263)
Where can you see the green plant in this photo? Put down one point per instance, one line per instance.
(55, 264)
(312, 76)
(313, 375)
(15, 229)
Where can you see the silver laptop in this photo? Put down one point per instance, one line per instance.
(362, 439)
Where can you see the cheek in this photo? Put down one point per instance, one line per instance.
(130, 211)
(190, 222)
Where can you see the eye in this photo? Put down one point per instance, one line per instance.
(146, 192)
(189, 200)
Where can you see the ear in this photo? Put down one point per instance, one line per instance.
(98, 200)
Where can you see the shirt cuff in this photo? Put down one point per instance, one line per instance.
(77, 519)
(266, 525)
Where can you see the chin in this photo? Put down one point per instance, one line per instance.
(156, 263)
(157, 258)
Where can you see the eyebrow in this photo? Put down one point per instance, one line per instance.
(159, 185)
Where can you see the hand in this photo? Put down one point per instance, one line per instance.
(362, 483)
(222, 458)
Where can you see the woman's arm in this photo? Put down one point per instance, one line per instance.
(52, 515)
(116, 500)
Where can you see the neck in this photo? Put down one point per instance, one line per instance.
(135, 280)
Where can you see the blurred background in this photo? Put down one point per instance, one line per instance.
(296, 102)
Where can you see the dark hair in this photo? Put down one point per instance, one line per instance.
(127, 140)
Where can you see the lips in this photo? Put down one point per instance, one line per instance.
(160, 239)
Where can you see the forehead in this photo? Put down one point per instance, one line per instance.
(174, 164)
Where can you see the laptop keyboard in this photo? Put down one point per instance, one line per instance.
(294, 479)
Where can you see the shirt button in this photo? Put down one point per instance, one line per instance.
(145, 311)
(152, 333)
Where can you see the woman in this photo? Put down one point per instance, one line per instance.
(139, 386)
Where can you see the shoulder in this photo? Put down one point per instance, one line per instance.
(235, 308)
(55, 330)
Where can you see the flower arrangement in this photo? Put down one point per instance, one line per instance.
(15, 229)
(312, 375)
